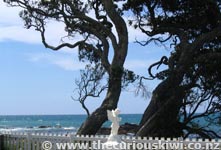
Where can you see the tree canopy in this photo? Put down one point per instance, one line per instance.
(191, 81)
(98, 25)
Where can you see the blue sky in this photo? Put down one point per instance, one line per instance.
(36, 80)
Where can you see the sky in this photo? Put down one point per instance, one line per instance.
(38, 81)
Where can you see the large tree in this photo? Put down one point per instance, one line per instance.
(192, 77)
(99, 26)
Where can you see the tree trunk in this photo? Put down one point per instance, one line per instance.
(161, 116)
(160, 119)
(99, 116)
(94, 122)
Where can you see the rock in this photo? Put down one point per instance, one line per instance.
(128, 128)
(103, 131)
(42, 127)
(125, 129)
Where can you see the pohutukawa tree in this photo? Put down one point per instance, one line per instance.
(100, 26)
(191, 81)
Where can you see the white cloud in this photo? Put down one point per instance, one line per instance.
(135, 34)
(71, 63)
(138, 64)
(9, 16)
(66, 62)
(66, 50)
(11, 28)
(17, 33)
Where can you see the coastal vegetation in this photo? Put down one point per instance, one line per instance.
(191, 82)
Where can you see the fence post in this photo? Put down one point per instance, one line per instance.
(29, 141)
(1, 141)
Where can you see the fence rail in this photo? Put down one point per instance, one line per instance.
(36, 141)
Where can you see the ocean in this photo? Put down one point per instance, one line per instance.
(65, 123)
(53, 123)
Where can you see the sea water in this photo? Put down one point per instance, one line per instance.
(53, 123)
(67, 123)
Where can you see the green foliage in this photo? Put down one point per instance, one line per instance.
(183, 23)
(129, 77)
(87, 54)
(193, 16)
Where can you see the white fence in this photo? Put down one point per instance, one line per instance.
(43, 141)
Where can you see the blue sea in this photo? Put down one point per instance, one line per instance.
(53, 123)
(64, 123)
